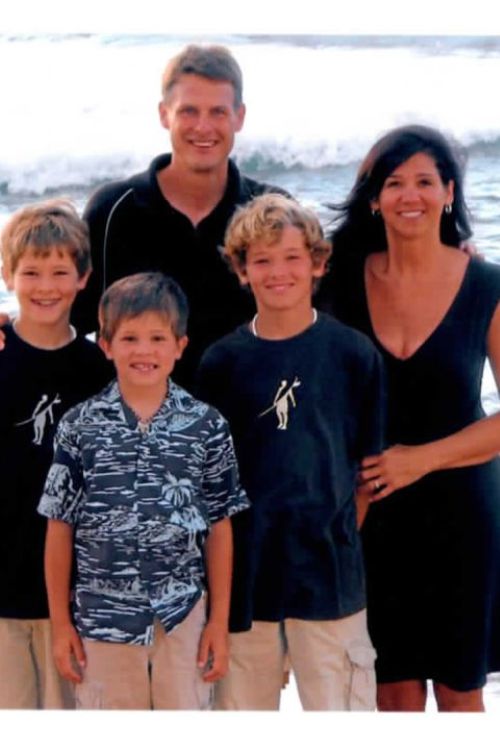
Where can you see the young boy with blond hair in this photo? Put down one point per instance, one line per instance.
(302, 394)
(44, 370)
(141, 489)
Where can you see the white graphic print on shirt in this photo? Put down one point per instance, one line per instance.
(39, 417)
(283, 398)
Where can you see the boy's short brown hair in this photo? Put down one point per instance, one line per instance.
(213, 62)
(142, 293)
(263, 219)
(43, 227)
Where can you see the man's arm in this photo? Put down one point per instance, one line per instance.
(84, 310)
(213, 653)
(66, 643)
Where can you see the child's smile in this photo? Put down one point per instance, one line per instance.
(281, 274)
(144, 350)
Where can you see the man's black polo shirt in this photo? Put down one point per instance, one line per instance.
(133, 228)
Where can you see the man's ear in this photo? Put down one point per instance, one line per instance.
(163, 112)
(240, 117)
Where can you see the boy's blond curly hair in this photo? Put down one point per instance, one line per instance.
(263, 219)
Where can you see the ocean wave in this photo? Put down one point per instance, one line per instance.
(51, 174)
(428, 43)
(483, 144)
(272, 155)
(313, 102)
(56, 172)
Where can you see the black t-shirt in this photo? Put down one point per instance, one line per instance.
(303, 412)
(133, 228)
(36, 387)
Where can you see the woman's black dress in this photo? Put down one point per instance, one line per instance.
(432, 550)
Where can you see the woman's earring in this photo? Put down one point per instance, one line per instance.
(375, 212)
(447, 208)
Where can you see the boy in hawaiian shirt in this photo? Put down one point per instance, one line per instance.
(141, 489)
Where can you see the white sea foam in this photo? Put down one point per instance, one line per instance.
(80, 110)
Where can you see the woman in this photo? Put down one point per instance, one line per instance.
(432, 538)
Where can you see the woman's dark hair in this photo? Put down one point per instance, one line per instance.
(357, 231)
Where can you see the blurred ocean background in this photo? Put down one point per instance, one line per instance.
(80, 109)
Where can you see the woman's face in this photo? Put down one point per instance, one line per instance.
(412, 198)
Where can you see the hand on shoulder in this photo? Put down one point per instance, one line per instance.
(4, 319)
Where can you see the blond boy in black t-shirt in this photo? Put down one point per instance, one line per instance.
(302, 395)
(44, 369)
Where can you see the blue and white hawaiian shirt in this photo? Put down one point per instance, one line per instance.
(141, 504)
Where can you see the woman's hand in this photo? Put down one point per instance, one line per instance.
(396, 467)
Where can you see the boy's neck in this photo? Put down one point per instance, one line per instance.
(144, 402)
(282, 324)
(44, 336)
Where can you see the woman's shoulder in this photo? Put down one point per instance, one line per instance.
(486, 275)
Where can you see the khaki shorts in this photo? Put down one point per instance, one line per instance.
(332, 660)
(163, 675)
(28, 675)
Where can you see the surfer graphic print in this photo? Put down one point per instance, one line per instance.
(283, 400)
(37, 386)
(302, 411)
(42, 412)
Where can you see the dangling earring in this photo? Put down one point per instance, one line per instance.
(447, 208)
(375, 212)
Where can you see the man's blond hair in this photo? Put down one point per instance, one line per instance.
(264, 219)
(43, 227)
(213, 62)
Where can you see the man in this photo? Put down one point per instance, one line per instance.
(173, 216)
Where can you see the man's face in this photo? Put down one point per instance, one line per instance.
(202, 120)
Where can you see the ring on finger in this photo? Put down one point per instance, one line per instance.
(376, 484)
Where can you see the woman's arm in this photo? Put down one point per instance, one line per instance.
(66, 643)
(402, 465)
(213, 653)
